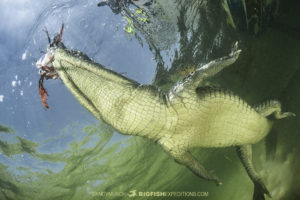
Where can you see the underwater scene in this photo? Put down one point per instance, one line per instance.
(57, 142)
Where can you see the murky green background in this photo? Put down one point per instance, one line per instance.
(65, 153)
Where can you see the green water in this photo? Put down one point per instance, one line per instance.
(94, 165)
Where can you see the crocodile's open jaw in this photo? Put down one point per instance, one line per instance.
(81, 76)
(88, 81)
(45, 66)
(58, 62)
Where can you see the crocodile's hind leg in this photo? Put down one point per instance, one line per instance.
(245, 154)
(184, 157)
(273, 107)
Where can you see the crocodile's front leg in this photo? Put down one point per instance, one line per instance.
(184, 157)
(245, 154)
(212, 68)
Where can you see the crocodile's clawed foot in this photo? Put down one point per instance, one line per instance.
(279, 115)
(273, 107)
(215, 178)
(218, 183)
(235, 52)
(260, 190)
(287, 114)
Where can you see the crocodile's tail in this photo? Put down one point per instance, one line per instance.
(273, 107)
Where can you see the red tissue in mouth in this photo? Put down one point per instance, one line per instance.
(46, 68)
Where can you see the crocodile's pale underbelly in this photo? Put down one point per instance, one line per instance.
(204, 117)
(214, 120)
(219, 120)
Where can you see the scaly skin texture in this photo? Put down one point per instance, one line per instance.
(188, 116)
(194, 117)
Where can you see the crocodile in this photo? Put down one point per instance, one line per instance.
(186, 117)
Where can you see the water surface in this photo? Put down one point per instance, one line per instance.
(65, 153)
